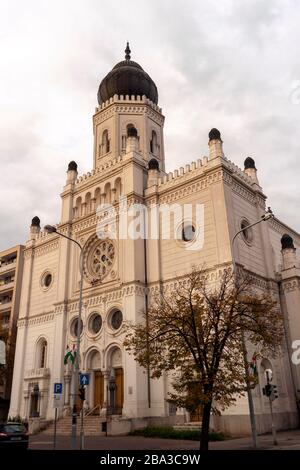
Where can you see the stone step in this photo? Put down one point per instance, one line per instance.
(192, 426)
(92, 425)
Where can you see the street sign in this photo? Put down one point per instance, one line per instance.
(84, 379)
(57, 388)
(57, 400)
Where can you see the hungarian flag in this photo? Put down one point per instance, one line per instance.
(70, 355)
(253, 364)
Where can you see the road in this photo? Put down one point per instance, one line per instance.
(287, 440)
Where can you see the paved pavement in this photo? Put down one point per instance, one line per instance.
(287, 440)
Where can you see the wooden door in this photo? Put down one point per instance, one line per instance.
(196, 415)
(119, 397)
(98, 388)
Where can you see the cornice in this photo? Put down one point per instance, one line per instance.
(36, 319)
(98, 299)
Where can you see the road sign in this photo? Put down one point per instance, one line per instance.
(57, 400)
(57, 388)
(84, 379)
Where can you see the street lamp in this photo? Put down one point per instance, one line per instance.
(76, 372)
(268, 215)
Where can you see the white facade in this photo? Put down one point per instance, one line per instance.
(131, 270)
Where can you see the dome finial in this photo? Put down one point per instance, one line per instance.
(127, 52)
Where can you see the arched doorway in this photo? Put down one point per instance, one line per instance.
(116, 382)
(96, 387)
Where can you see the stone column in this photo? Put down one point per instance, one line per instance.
(106, 375)
(67, 390)
(93, 204)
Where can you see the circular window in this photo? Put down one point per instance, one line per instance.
(46, 280)
(95, 323)
(74, 327)
(247, 232)
(100, 260)
(116, 319)
(188, 232)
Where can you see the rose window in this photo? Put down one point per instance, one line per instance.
(102, 258)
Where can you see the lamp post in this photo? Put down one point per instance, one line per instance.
(268, 215)
(76, 372)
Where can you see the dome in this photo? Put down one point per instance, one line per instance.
(127, 78)
(214, 134)
(72, 166)
(287, 241)
(249, 163)
(35, 222)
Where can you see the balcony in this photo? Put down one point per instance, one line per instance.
(6, 267)
(41, 373)
(7, 287)
(5, 306)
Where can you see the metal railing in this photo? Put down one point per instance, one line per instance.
(92, 411)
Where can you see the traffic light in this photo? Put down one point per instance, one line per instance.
(274, 392)
(82, 393)
(268, 390)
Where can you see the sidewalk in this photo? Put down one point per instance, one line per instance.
(287, 440)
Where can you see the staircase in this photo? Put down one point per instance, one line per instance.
(92, 426)
(191, 426)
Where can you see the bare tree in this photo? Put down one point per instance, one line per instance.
(194, 334)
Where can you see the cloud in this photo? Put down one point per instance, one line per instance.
(228, 64)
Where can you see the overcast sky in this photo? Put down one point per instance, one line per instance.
(228, 64)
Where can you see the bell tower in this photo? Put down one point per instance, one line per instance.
(128, 99)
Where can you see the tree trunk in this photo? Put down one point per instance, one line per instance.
(205, 427)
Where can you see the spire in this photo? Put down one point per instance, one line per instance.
(127, 52)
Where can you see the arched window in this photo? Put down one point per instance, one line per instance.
(130, 129)
(154, 144)
(105, 144)
(77, 209)
(41, 353)
(88, 205)
(118, 188)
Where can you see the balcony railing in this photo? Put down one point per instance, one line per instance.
(40, 373)
(7, 286)
(5, 306)
(8, 266)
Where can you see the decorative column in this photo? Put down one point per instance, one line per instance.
(113, 195)
(93, 204)
(26, 405)
(106, 375)
(67, 390)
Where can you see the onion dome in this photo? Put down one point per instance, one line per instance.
(35, 222)
(249, 163)
(214, 134)
(72, 166)
(287, 241)
(127, 78)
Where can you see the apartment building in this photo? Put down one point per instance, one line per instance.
(11, 270)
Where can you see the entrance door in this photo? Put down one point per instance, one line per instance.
(119, 397)
(196, 415)
(98, 388)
